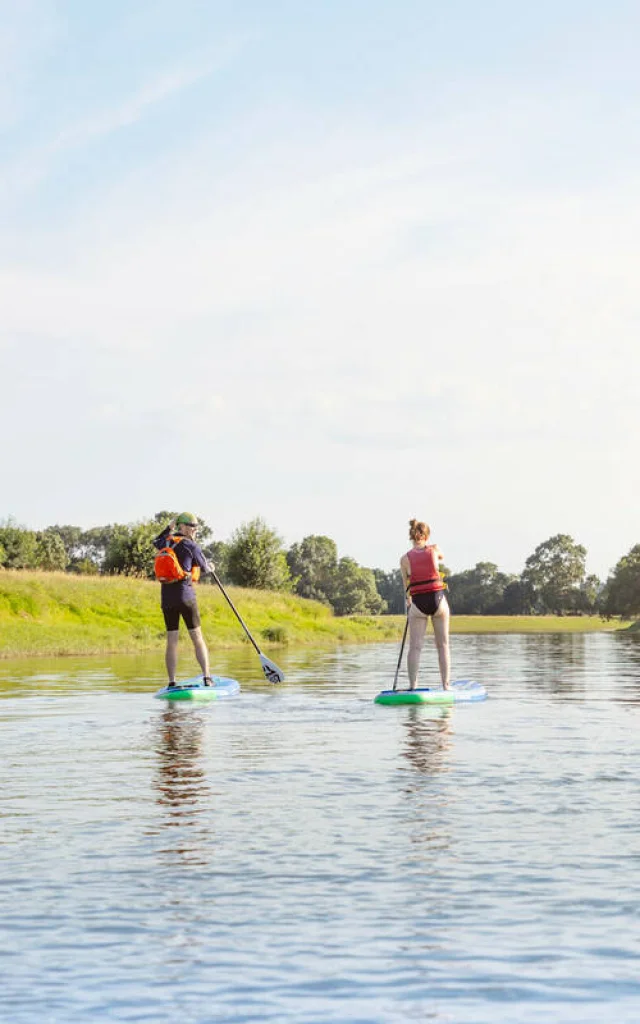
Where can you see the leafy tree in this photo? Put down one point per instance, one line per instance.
(479, 591)
(588, 598)
(94, 544)
(257, 559)
(312, 564)
(70, 537)
(555, 572)
(391, 589)
(218, 553)
(354, 590)
(50, 551)
(19, 545)
(130, 550)
(85, 549)
(517, 598)
(622, 593)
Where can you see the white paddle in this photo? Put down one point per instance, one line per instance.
(270, 669)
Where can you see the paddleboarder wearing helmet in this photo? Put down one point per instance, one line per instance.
(178, 566)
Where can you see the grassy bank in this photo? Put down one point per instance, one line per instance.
(56, 613)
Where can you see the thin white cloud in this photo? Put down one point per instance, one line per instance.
(405, 323)
(33, 165)
(141, 102)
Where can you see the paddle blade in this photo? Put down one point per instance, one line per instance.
(271, 671)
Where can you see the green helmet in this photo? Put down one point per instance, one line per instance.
(187, 518)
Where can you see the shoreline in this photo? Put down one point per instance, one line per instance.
(58, 614)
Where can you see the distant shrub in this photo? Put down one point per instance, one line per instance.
(275, 635)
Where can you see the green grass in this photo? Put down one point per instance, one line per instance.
(60, 614)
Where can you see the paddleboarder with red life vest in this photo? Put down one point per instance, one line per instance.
(426, 599)
(178, 566)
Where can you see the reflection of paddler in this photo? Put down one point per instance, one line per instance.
(181, 781)
(426, 599)
(428, 737)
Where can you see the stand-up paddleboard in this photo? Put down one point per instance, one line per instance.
(194, 689)
(461, 692)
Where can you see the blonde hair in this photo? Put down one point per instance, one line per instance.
(418, 530)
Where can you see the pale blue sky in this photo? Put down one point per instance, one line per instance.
(335, 264)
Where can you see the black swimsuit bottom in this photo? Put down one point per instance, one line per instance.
(428, 603)
(187, 610)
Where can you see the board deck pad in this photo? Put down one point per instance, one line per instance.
(462, 691)
(194, 689)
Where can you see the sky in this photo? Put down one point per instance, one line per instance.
(333, 264)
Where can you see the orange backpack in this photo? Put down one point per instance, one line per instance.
(166, 566)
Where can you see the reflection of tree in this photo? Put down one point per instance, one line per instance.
(623, 659)
(181, 783)
(556, 663)
(428, 732)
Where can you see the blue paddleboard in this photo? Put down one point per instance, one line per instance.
(462, 691)
(194, 689)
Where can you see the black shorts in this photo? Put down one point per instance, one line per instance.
(189, 613)
(428, 603)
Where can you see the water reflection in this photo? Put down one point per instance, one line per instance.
(181, 783)
(428, 738)
(377, 863)
(626, 665)
(555, 663)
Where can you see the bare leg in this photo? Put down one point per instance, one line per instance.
(200, 648)
(417, 628)
(441, 637)
(171, 653)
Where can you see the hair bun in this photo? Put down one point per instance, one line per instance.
(418, 530)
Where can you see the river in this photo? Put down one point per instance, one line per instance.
(301, 854)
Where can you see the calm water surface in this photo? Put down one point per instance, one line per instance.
(301, 854)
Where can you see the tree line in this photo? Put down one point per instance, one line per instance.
(554, 579)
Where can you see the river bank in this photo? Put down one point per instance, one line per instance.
(62, 614)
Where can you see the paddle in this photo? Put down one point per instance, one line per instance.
(270, 669)
(404, 637)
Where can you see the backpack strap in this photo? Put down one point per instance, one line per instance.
(177, 538)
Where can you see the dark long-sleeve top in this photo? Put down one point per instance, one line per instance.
(188, 554)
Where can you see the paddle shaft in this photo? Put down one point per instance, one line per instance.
(404, 637)
(236, 613)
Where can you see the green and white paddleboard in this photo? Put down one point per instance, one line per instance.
(194, 689)
(463, 691)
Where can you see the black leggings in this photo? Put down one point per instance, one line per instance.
(428, 603)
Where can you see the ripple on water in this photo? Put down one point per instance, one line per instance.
(303, 854)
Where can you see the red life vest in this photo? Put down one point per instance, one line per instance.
(424, 576)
